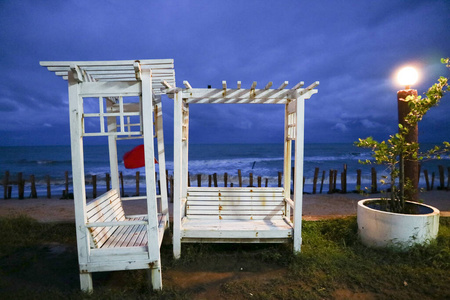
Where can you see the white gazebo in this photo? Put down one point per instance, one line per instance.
(239, 214)
(127, 98)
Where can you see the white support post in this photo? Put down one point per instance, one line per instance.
(177, 163)
(287, 162)
(152, 228)
(112, 146)
(79, 191)
(161, 159)
(298, 177)
(185, 151)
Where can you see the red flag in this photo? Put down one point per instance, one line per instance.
(135, 158)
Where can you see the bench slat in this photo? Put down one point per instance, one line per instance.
(214, 203)
(108, 208)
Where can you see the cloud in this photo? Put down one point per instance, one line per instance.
(351, 47)
(340, 127)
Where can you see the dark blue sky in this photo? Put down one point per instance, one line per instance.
(352, 47)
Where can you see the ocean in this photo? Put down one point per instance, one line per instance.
(264, 160)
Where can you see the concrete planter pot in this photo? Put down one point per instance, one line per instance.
(378, 228)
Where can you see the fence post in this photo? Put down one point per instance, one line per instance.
(448, 179)
(240, 178)
(441, 177)
(5, 185)
(199, 180)
(280, 175)
(344, 180)
(427, 181)
(374, 188)
(66, 176)
(122, 190)
(330, 182)
(316, 175)
(225, 179)
(33, 187)
(334, 179)
(138, 182)
(94, 186)
(20, 185)
(321, 183)
(49, 191)
(215, 179)
(108, 180)
(358, 180)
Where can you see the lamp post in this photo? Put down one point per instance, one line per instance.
(408, 76)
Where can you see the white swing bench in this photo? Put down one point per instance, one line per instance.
(124, 99)
(238, 214)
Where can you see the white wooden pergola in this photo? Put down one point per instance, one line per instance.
(128, 96)
(211, 214)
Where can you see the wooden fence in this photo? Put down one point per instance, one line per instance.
(318, 182)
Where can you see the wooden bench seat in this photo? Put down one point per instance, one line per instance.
(217, 214)
(110, 228)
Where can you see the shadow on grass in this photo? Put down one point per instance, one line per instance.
(39, 261)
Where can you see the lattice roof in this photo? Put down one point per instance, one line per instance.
(280, 95)
(120, 70)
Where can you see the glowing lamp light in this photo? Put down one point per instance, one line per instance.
(407, 76)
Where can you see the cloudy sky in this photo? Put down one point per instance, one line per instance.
(352, 47)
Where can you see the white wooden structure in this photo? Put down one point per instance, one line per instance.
(211, 214)
(126, 96)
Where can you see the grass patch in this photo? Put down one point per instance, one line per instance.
(39, 261)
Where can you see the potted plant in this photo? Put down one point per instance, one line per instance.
(395, 220)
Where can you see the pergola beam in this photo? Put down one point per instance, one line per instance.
(281, 95)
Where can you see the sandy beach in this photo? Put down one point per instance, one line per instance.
(315, 207)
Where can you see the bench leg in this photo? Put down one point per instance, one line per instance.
(86, 282)
(176, 248)
(156, 277)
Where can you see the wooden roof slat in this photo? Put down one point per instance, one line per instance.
(281, 95)
(120, 70)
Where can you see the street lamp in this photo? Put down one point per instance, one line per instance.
(408, 76)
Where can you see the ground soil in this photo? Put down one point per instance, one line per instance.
(207, 284)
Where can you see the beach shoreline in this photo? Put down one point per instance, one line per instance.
(315, 206)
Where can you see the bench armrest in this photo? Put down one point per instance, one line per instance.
(289, 202)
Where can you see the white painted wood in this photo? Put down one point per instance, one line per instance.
(79, 190)
(112, 147)
(298, 85)
(177, 157)
(86, 282)
(152, 231)
(298, 176)
(290, 202)
(115, 71)
(239, 207)
(107, 240)
(287, 160)
(161, 160)
(187, 84)
(241, 229)
(110, 89)
(185, 151)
